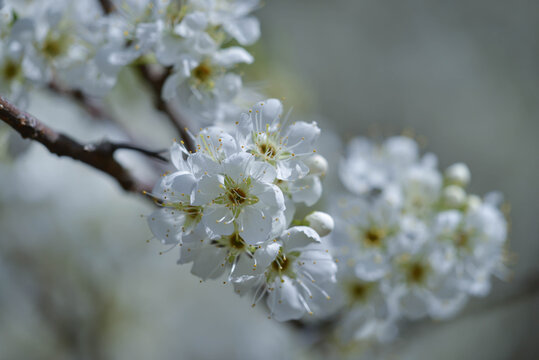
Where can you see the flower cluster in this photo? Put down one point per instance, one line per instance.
(411, 241)
(229, 207)
(84, 46)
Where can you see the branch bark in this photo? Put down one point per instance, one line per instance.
(98, 155)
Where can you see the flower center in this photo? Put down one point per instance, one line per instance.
(54, 46)
(359, 291)
(416, 273)
(462, 239)
(268, 150)
(192, 212)
(282, 265)
(202, 72)
(236, 242)
(237, 196)
(374, 237)
(11, 70)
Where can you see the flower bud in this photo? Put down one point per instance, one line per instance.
(458, 174)
(454, 196)
(473, 202)
(317, 164)
(321, 222)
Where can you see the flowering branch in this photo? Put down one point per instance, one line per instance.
(156, 82)
(98, 155)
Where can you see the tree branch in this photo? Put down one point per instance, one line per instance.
(156, 82)
(97, 155)
(107, 6)
(91, 107)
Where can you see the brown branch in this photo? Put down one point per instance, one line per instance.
(89, 105)
(93, 108)
(107, 6)
(99, 155)
(156, 82)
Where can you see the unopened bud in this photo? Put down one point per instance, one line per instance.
(473, 202)
(317, 164)
(454, 196)
(321, 222)
(458, 174)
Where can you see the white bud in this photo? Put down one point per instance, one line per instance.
(454, 196)
(321, 222)
(458, 174)
(474, 202)
(317, 164)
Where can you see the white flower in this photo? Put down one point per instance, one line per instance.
(473, 244)
(233, 17)
(371, 167)
(295, 279)
(366, 312)
(422, 185)
(177, 216)
(263, 133)
(213, 256)
(205, 78)
(416, 237)
(420, 290)
(241, 193)
(368, 231)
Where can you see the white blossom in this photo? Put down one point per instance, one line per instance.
(412, 243)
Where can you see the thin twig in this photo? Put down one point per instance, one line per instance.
(89, 105)
(92, 108)
(156, 82)
(97, 155)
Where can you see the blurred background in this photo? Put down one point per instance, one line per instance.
(78, 279)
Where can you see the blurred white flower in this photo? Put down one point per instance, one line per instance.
(411, 236)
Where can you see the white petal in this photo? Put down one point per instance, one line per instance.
(307, 190)
(170, 87)
(231, 56)
(270, 196)
(262, 172)
(165, 226)
(303, 136)
(268, 112)
(291, 169)
(209, 262)
(254, 225)
(237, 165)
(246, 30)
(207, 189)
(201, 164)
(298, 237)
(284, 301)
(218, 220)
(191, 24)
